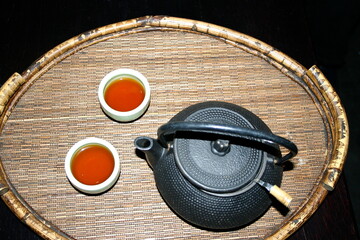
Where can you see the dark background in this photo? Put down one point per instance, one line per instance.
(325, 33)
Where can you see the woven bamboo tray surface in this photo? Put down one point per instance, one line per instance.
(55, 105)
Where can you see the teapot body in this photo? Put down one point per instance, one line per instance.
(208, 210)
(214, 164)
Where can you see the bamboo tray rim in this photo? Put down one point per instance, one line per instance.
(18, 84)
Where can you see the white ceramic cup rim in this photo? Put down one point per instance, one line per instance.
(98, 188)
(124, 115)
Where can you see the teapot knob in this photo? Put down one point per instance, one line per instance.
(220, 147)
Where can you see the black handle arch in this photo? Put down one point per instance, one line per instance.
(227, 130)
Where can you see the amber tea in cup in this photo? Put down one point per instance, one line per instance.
(124, 94)
(92, 165)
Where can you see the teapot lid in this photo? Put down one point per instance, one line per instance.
(216, 163)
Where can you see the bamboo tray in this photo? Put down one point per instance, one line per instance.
(53, 104)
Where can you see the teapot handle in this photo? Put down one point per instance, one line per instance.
(228, 130)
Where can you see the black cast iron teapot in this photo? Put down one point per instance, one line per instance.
(215, 164)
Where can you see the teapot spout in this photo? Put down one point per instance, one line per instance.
(151, 148)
